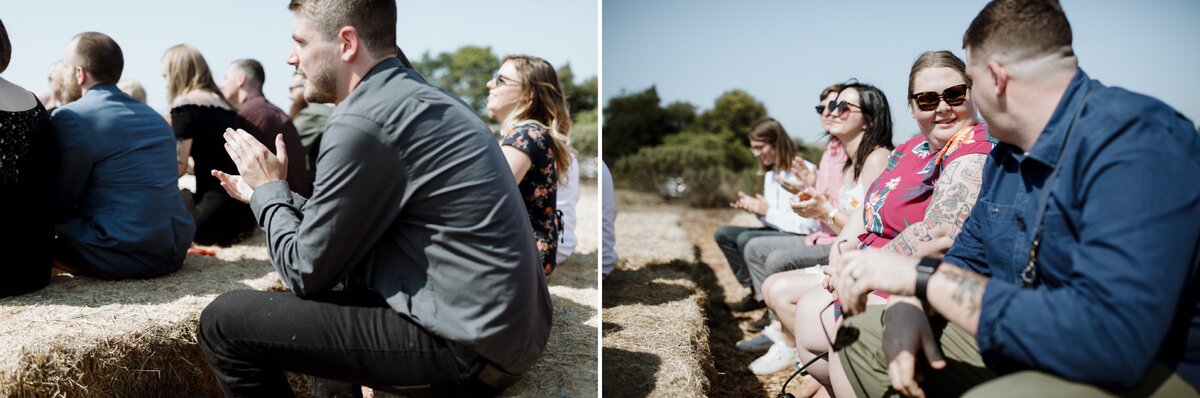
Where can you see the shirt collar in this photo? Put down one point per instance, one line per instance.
(1049, 144)
(254, 96)
(387, 63)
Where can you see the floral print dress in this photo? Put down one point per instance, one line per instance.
(539, 187)
(899, 196)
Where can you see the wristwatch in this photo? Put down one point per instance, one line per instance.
(925, 268)
(832, 213)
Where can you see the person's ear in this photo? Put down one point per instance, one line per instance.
(999, 75)
(241, 80)
(350, 44)
(81, 75)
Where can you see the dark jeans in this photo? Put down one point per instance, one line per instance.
(732, 241)
(220, 219)
(250, 338)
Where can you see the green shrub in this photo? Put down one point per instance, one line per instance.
(712, 168)
(584, 138)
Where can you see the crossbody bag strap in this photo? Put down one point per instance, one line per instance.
(1029, 275)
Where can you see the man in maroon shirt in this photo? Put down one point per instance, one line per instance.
(243, 87)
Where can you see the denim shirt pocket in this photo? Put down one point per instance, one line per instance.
(999, 236)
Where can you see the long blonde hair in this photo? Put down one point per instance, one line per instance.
(188, 71)
(546, 105)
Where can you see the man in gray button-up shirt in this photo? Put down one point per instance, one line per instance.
(413, 211)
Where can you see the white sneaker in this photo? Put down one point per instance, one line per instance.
(774, 331)
(777, 358)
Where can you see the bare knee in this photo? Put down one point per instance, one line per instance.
(813, 321)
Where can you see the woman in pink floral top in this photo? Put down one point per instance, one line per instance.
(926, 191)
(525, 96)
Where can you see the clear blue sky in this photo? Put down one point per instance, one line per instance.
(785, 52)
(226, 30)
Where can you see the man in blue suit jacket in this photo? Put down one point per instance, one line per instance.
(120, 212)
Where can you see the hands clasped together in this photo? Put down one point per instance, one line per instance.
(852, 275)
(255, 163)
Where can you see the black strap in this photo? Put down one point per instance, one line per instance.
(1029, 275)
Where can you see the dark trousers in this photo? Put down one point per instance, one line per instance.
(220, 219)
(250, 338)
(732, 241)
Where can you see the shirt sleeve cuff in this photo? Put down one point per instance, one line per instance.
(274, 192)
(996, 299)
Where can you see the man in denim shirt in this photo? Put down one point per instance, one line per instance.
(1106, 305)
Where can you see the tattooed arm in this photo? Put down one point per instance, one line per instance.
(956, 294)
(952, 200)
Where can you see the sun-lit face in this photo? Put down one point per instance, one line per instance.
(504, 92)
(316, 59)
(229, 86)
(826, 116)
(983, 95)
(764, 151)
(849, 123)
(70, 84)
(296, 88)
(940, 124)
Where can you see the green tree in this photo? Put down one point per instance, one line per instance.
(581, 97)
(680, 115)
(734, 111)
(464, 72)
(633, 121)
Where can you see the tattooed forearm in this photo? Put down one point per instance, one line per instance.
(968, 290)
(951, 203)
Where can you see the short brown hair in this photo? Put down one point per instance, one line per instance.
(5, 48)
(253, 71)
(832, 89)
(936, 59)
(375, 20)
(100, 55)
(1022, 28)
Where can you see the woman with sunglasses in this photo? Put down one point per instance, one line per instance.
(924, 195)
(525, 97)
(859, 120)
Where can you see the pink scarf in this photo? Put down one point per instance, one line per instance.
(829, 182)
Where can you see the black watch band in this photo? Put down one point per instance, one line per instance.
(925, 269)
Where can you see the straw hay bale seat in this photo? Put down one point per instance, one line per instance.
(86, 337)
(655, 335)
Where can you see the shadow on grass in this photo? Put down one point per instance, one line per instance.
(634, 377)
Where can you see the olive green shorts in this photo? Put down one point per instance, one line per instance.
(965, 374)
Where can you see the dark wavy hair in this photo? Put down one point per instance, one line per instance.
(878, 117)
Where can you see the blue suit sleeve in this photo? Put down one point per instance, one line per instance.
(1136, 247)
(75, 160)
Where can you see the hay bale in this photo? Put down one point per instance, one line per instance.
(655, 337)
(86, 337)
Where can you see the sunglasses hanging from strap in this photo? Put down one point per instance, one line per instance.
(1029, 275)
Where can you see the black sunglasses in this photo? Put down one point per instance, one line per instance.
(820, 109)
(954, 96)
(837, 107)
